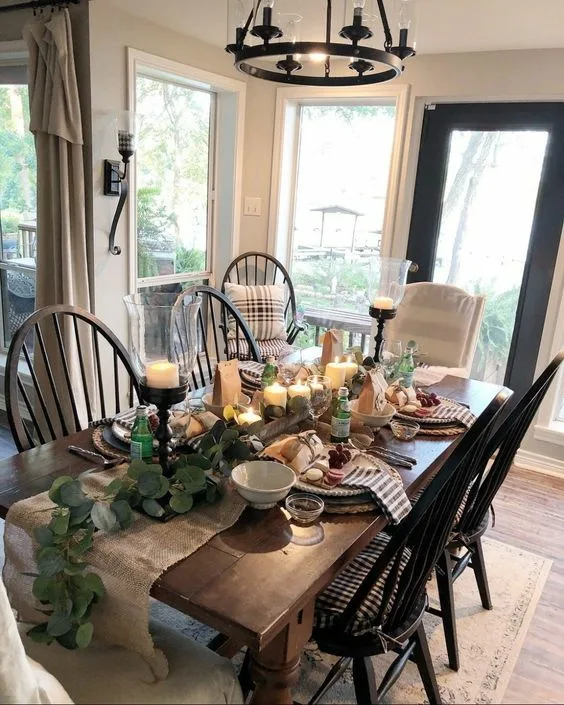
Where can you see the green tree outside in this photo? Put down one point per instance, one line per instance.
(18, 171)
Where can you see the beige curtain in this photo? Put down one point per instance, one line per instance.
(62, 271)
(55, 120)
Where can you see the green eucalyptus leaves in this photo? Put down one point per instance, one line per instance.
(63, 583)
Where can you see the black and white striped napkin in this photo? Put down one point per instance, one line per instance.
(386, 491)
(250, 373)
(453, 411)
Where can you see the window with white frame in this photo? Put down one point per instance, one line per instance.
(174, 181)
(549, 426)
(338, 200)
(18, 232)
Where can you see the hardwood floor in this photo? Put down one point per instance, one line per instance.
(530, 514)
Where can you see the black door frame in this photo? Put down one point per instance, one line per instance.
(439, 121)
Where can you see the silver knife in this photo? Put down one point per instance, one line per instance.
(393, 454)
(91, 455)
(391, 460)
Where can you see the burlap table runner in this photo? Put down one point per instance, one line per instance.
(128, 562)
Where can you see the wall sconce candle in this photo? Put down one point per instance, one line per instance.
(115, 183)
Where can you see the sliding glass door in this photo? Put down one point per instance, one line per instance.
(487, 217)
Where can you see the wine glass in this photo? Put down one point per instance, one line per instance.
(321, 394)
(289, 365)
(390, 357)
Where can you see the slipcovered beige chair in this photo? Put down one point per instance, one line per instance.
(36, 673)
(444, 321)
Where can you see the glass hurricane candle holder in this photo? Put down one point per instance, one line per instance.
(163, 348)
(386, 286)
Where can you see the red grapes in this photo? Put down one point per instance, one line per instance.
(339, 456)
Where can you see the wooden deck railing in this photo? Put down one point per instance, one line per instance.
(356, 327)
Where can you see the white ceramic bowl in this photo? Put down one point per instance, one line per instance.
(262, 482)
(244, 400)
(376, 420)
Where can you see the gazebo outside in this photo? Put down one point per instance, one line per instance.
(341, 210)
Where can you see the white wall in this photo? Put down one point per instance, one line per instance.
(111, 32)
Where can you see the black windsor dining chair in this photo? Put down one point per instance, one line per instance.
(65, 368)
(260, 268)
(216, 317)
(377, 603)
(465, 546)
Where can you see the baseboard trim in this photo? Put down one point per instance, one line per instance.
(539, 463)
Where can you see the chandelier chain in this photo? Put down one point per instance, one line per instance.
(328, 37)
(387, 31)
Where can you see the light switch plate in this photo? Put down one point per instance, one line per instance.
(253, 206)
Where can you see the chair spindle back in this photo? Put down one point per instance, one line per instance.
(260, 268)
(215, 315)
(419, 539)
(65, 369)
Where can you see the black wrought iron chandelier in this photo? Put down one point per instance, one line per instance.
(278, 37)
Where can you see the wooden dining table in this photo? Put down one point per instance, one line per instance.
(256, 583)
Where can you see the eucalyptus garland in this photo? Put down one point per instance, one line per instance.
(63, 584)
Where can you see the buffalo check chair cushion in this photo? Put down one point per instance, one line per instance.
(262, 307)
(333, 600)
(268, 348)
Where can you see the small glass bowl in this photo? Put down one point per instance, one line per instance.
(403, 429)
(304, 508)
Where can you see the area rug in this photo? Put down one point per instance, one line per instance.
(489, 641)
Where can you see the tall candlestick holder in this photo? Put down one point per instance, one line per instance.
(164, 400)
(386, 285)
(164, 343)
(380, 315)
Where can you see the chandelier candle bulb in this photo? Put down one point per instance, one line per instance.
(336, 371)
(248, 417)
(351, 368)
(275, 395)
(384, 303)
(299, 390)
(162, 375)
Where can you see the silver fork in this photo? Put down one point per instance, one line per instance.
(97, 458)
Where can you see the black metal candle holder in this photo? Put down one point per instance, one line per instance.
(163, 399)
(380, 315)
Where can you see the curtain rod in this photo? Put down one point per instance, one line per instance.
(37, 5)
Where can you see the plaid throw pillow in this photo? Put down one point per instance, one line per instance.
(262, 307)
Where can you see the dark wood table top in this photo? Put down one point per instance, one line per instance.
(248, 581)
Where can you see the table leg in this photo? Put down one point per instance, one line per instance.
(276, 668)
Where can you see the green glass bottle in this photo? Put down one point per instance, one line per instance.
(269, 374)
(406, 367)
(141, 436)
(341, 417)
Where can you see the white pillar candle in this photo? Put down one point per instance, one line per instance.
(336, 373)
(162, 375)
(247, 418)
(351, 368)
(383, 303)
(275, 395)
(299, 390)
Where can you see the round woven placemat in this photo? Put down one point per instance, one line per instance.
(104, 447)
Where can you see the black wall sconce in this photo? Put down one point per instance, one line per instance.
(115, 181)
